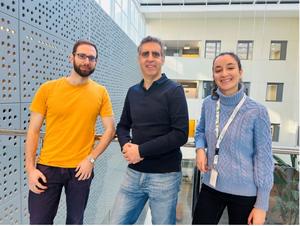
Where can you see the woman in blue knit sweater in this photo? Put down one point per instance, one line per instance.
(233, 150)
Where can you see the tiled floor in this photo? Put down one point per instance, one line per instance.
(184, 206)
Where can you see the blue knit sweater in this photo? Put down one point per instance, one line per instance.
(245, 165)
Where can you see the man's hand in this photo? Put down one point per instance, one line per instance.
(84, 169)
(131, 153)
(35, 180)
(257, 216)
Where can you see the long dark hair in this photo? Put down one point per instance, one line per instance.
(214, 94)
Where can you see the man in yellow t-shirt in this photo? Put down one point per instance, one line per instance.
(70, 106)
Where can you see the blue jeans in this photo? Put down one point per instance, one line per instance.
(161, 189)
(43, 207)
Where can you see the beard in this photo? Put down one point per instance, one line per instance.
(82, 73)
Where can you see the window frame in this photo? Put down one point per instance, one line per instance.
(196, 92)
(282, 51)
(275, 132)
(249, 53)
(216, 49)
(279, 92)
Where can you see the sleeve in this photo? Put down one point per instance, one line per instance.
(106, 106)
(179, 127)
(200, 140)
(124, 126)
(39, 102)
(263, 159)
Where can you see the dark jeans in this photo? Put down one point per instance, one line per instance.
(43, 207)
(211, 204)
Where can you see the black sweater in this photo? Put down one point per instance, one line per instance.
(158, 121)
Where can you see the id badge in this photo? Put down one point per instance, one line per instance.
(213, 177)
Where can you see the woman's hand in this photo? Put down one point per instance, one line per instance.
(257, 216)
(201, 160)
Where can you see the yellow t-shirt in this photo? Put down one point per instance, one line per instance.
(71, 113)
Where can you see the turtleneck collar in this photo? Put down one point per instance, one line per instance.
(231, 100)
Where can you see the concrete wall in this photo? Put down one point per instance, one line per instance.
(258, 71)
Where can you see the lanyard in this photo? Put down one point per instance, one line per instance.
(221, 135)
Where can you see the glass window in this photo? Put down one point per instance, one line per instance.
(182, 48)
(245, 50)
(190, 88)
(125, 23)
(247, 88)
(171, 51)
(188, 51)
(119, 2)
(118, 14)
(275, 131)
(125, 6)
(274, 92)
(207, 86)
(106, 5)
(278, 50)
(133, 13)
(136, 18)
(212, 49)
(298, 135)
(133, 34)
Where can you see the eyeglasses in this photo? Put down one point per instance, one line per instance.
(154, 54)
(83, 56)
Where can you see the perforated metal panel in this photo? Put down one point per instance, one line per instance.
(59, 18)
(36, 39)
(10, 169)
(10, 7)
(10, 211)
(9, 164)
(42, 57)
(9, 61)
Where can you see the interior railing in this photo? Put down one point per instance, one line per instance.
(284, 197)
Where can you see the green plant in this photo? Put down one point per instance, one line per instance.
(285, 193)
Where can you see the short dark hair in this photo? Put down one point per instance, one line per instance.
(214, 94)
(84, 42)
(151, 39)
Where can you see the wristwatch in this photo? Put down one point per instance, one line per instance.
(91, 159)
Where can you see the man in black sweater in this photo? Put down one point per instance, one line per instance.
(153, 126)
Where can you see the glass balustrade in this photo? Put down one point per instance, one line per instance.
(284, 198)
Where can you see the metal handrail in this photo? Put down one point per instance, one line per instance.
(275, 149)
(16, 132)
(196, 174)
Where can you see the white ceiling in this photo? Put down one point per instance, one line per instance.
(218, 8)
(214, 2)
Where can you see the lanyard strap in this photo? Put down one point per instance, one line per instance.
(232, 116)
